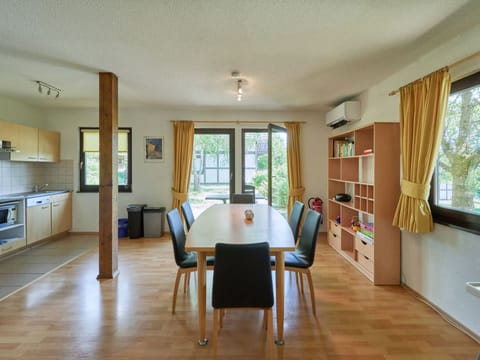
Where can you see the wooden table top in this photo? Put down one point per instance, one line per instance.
(226, 223)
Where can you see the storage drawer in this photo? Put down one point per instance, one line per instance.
(9, 245)
(365, 262)
(335, 228)
(364, 248)
(334, 240)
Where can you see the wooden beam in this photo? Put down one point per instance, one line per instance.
(108, 189)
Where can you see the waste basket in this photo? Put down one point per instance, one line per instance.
(122, 228)
(153, 221)
(135, 220)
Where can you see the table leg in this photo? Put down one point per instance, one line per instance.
(280, 296)
(202, 295)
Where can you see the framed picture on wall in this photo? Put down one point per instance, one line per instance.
(154, 148)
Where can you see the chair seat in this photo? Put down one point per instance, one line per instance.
(191, 260)
(294, 259)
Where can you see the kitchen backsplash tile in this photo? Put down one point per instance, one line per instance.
(16, 176)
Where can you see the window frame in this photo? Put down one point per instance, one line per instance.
(446, 216)
(95, 188)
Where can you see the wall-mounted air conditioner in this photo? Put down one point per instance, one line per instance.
(343, 113)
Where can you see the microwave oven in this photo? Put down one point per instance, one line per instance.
(8, 214)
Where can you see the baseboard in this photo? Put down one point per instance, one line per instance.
(443, 314)
(83, 233)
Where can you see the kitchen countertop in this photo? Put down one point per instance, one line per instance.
(30, 194)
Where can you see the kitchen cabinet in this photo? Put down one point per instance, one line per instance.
(61, 205)
(365, 164)
(25, 140)
(48, 145)
(32, 144)
(39, 225)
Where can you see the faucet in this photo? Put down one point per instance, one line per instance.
(38, 188)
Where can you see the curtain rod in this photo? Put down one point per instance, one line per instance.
(238, 122)
(456, 63)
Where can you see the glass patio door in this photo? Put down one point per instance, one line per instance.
(212, 177)
(277, 169)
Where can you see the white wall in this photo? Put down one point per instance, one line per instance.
(17, 112)
(152, 182)
(436, 265)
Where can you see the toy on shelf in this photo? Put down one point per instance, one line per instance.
(338, 220)
(355, 223)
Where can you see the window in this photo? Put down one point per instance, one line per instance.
(90, 159)
(455, 191)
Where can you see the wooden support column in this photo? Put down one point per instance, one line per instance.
(108, 190)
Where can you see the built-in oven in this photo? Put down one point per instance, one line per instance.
(8, 214)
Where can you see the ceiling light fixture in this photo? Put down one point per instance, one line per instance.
(240, 84)
(49, 88)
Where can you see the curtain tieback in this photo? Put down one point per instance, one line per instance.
(414, 190)
(296, 191)
(182, 196)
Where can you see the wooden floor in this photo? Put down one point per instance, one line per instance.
(68, 314)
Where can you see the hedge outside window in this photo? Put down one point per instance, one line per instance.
(90, 159)
(455, 188)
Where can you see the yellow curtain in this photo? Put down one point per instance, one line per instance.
(183, 133)
(423, 105)
(295, 183)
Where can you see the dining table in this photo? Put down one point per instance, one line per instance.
(226, 223)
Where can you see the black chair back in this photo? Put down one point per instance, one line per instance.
(242, 198)
(188, 214)
(296, 218)
(242, 276)
(308, 238)
(178, 235)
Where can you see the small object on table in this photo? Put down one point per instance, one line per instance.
(249, 214)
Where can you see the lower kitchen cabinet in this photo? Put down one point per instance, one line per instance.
(39, 225)
(61, 212)
(48, 215)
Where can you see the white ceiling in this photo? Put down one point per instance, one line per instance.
(298, 55)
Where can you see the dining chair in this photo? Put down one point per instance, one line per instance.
(188, 214)
(296, 218)
(242, 278)
(300, 260)
(243, 198)
(186, 261)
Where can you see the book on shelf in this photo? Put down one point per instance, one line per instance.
(343, 148)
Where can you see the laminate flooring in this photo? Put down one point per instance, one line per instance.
(27, 266)
(68, 314)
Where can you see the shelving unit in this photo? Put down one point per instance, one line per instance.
(365, 163)
(12, 237)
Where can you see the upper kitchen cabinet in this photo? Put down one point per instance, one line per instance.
(48, 145)
(25, 140)
(32, 144)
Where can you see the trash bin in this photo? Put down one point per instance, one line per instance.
(122, 228)
(153, 221)
(135, 220)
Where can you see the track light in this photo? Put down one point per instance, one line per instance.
(240, 83)
(49, 88)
